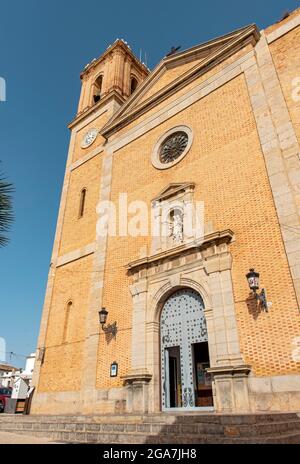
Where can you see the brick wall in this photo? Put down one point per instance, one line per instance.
(62, 368)
(169, 76)
(227, 165)
(286, 52)
(80, 231)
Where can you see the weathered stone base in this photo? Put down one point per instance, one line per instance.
(234, 392)
(280, 393)
(111, 401)
(231, 392)
(137, 400)
(56, 403)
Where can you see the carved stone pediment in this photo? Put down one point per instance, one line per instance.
(206, 56)
(174, 190)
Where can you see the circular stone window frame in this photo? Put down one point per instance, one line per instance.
(156, 152)
(87, 145)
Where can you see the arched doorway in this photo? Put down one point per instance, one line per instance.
(184, 352)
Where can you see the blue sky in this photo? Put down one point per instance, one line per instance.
(44, 46)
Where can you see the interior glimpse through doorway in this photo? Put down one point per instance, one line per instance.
(202, 380)
(175, 390)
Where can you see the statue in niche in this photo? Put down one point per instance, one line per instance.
(176, 226)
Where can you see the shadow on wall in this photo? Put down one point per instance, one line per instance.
(254, 306)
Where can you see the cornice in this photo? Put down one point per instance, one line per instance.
(205, 47)
(93, 109)
(167, 62)
(230, 371)
(173, 189)
(118, 44)
(250, 35)
(224, 236)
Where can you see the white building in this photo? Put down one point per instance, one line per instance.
(9, 374)
(29, 366)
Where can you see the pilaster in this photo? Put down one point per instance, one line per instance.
(126, 78)
(138, 342)
(280, 148)
(89, 393)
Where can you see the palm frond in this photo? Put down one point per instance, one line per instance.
(6, 210)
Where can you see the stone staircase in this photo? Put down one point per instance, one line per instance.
(164, 428)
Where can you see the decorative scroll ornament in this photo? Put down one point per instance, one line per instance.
(191, 398)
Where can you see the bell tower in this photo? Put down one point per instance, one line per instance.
(116, 73)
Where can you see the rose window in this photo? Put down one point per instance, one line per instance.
(173, 147)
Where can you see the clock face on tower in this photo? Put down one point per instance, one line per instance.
(89, 138)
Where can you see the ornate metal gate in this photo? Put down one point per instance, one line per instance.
(182, 324)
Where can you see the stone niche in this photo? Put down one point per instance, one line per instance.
(205, 266)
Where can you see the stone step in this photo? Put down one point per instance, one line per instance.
(162, 429)
(72, 418)
(167, 418)
(290, 438)
(158, 428)
(134, 438)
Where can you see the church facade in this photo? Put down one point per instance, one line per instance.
(178, 181)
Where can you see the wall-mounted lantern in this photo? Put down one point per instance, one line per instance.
(110, 328)
(253, 281)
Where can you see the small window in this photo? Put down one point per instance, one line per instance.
(97, 89)
(133, 85)
(82, 203)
